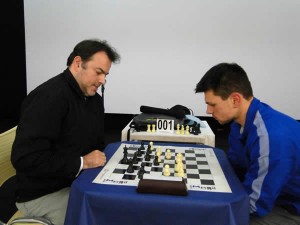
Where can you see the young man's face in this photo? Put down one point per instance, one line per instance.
(93, 73)
(222, 110)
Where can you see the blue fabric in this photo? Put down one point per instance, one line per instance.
(192, 119)
(91, 203)
(268, 150)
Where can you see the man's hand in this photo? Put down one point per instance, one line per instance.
(94, 159)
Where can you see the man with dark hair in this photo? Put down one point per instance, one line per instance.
(264, 144)
(61, 131)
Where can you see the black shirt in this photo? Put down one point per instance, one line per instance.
(58, 124)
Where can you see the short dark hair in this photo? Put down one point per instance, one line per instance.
(224, 79)
(87, 48)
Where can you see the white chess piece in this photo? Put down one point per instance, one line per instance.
(179, 157)
(176, 167)
(151, 146)
(148, 127)
(167, 170)
(182, 129)
(158, 157)
(178, 128)
(168, 154)
(187, 129)
(158, 151)
(179, 169)
(153, 128)
(180, 172)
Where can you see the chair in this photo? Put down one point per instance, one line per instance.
(7, 171)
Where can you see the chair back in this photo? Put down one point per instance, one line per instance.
(6, 171)
(6, 141)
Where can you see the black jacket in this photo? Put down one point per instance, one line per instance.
(58, 124)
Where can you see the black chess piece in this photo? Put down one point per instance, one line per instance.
(142, 168)
(125, 159)
(125, 149)
(155, 161)
(139, 152)
(147, 157)
(195, 129)
(142, 146)
(141, 171)
(130, 168)
(140, 174)
(135, 158)
(148, 149)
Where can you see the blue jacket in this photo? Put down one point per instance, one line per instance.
(267, 151)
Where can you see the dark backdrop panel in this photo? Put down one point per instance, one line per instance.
(13, 69)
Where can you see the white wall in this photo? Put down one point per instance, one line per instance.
(167, 45)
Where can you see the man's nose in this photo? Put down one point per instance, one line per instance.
(102, 79)
(209, 110)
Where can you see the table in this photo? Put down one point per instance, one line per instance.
(102, 204)
(206, 136)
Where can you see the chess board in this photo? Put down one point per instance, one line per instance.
(202, 171)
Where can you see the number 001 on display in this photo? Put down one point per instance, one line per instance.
(165, 126)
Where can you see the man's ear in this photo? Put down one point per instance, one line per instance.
(236, 99)
(77, 61)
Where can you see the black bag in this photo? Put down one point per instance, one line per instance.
(150, 115)
(177, 111)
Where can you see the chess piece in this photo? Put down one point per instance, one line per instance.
(167, 170)
(142, 146)
(139, 152)
(143, 167)
(187, 129)
(140, 174)
(153, 128)
(125, 149)
(135, 158)
(147, 157)
(178, 128)
(148, 127)
(148, 149)
(130, 168)
(151, 146)
(141, 171)
(179, 169)
(177, 166)
(179, 157)
(125, 159)
(168, 154)
(158, 151)
(158, 157)
(155, 161)
(180, 172)
(182, 129)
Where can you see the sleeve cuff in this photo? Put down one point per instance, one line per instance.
(81, 166)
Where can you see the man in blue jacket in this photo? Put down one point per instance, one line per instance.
(264, 144)
(61, 132)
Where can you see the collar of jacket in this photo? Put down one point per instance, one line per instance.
(73, 83)
(250, 116)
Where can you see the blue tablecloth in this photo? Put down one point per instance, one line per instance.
(101, 204)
